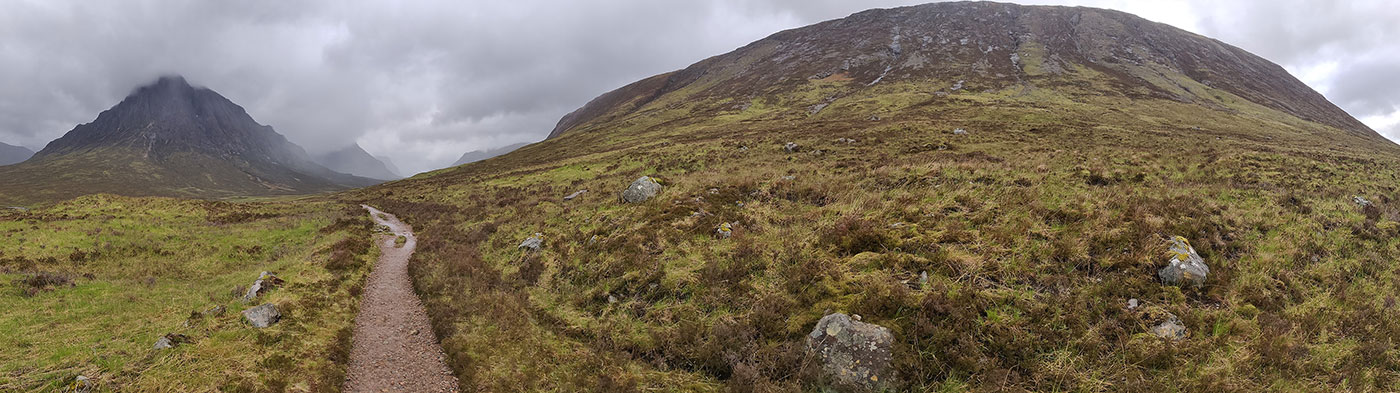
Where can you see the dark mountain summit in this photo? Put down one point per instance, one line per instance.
(10, 154)
(170, 139)
(979, 47)
(355, 160)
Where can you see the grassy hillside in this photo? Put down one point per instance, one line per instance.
(1035, 228)
(87, 287)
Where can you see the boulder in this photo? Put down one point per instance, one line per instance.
(1186, 267)
(855, 355)
(533, 243)
(576, 194)
(264, 282)
(641, 190)
(1171, 329)
(262, 316)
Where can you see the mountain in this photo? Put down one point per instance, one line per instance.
(977, 47)
(170, 139)
(991, 191)
(389, 164)
(355, 160)
(10, 154)
(478, 155)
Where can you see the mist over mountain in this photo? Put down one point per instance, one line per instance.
(11, 154)
(169, 138)
(478, 155)
(356, 161)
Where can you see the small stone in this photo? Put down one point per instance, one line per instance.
(725, 230)
(612, 299)
(532, 243)
(1171, 329)
(1360, 201)
(1132, 304)
(170, 340)
(959, 131)
(576, 194)
(714, 191)
(791, 147)
(923, 280)
(789, 177)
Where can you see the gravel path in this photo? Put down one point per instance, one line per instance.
(394, 349)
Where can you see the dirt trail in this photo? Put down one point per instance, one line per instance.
(394, 349)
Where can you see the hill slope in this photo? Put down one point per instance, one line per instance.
(170, 139)
(10, 154)
(355, 160)
(996, 215)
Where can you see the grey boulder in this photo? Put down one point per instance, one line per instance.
(855, 355)
(1186, 266)
(262, 316)
(641, 190)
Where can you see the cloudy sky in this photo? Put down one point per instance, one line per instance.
(424, 81)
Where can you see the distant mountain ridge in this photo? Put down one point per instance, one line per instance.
(478, 155)
(356, 161)
(11, 154)
(169, 138)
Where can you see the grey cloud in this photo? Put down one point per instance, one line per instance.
(424, 81)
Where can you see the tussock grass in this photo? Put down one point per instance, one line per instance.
(96, 280)
(1034, 230)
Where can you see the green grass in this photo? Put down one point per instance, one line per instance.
(140, 267)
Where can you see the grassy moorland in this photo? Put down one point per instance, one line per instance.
(1035, 228)
(87, 286)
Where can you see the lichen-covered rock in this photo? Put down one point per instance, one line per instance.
(533, 243)
(725, 230)
(1186, 267)
(641, 190)
(1171, 329)
(262, 316)
(855, 355)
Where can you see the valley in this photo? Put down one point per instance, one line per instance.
(945, 197)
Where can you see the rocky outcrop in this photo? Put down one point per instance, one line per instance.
(854, 355)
